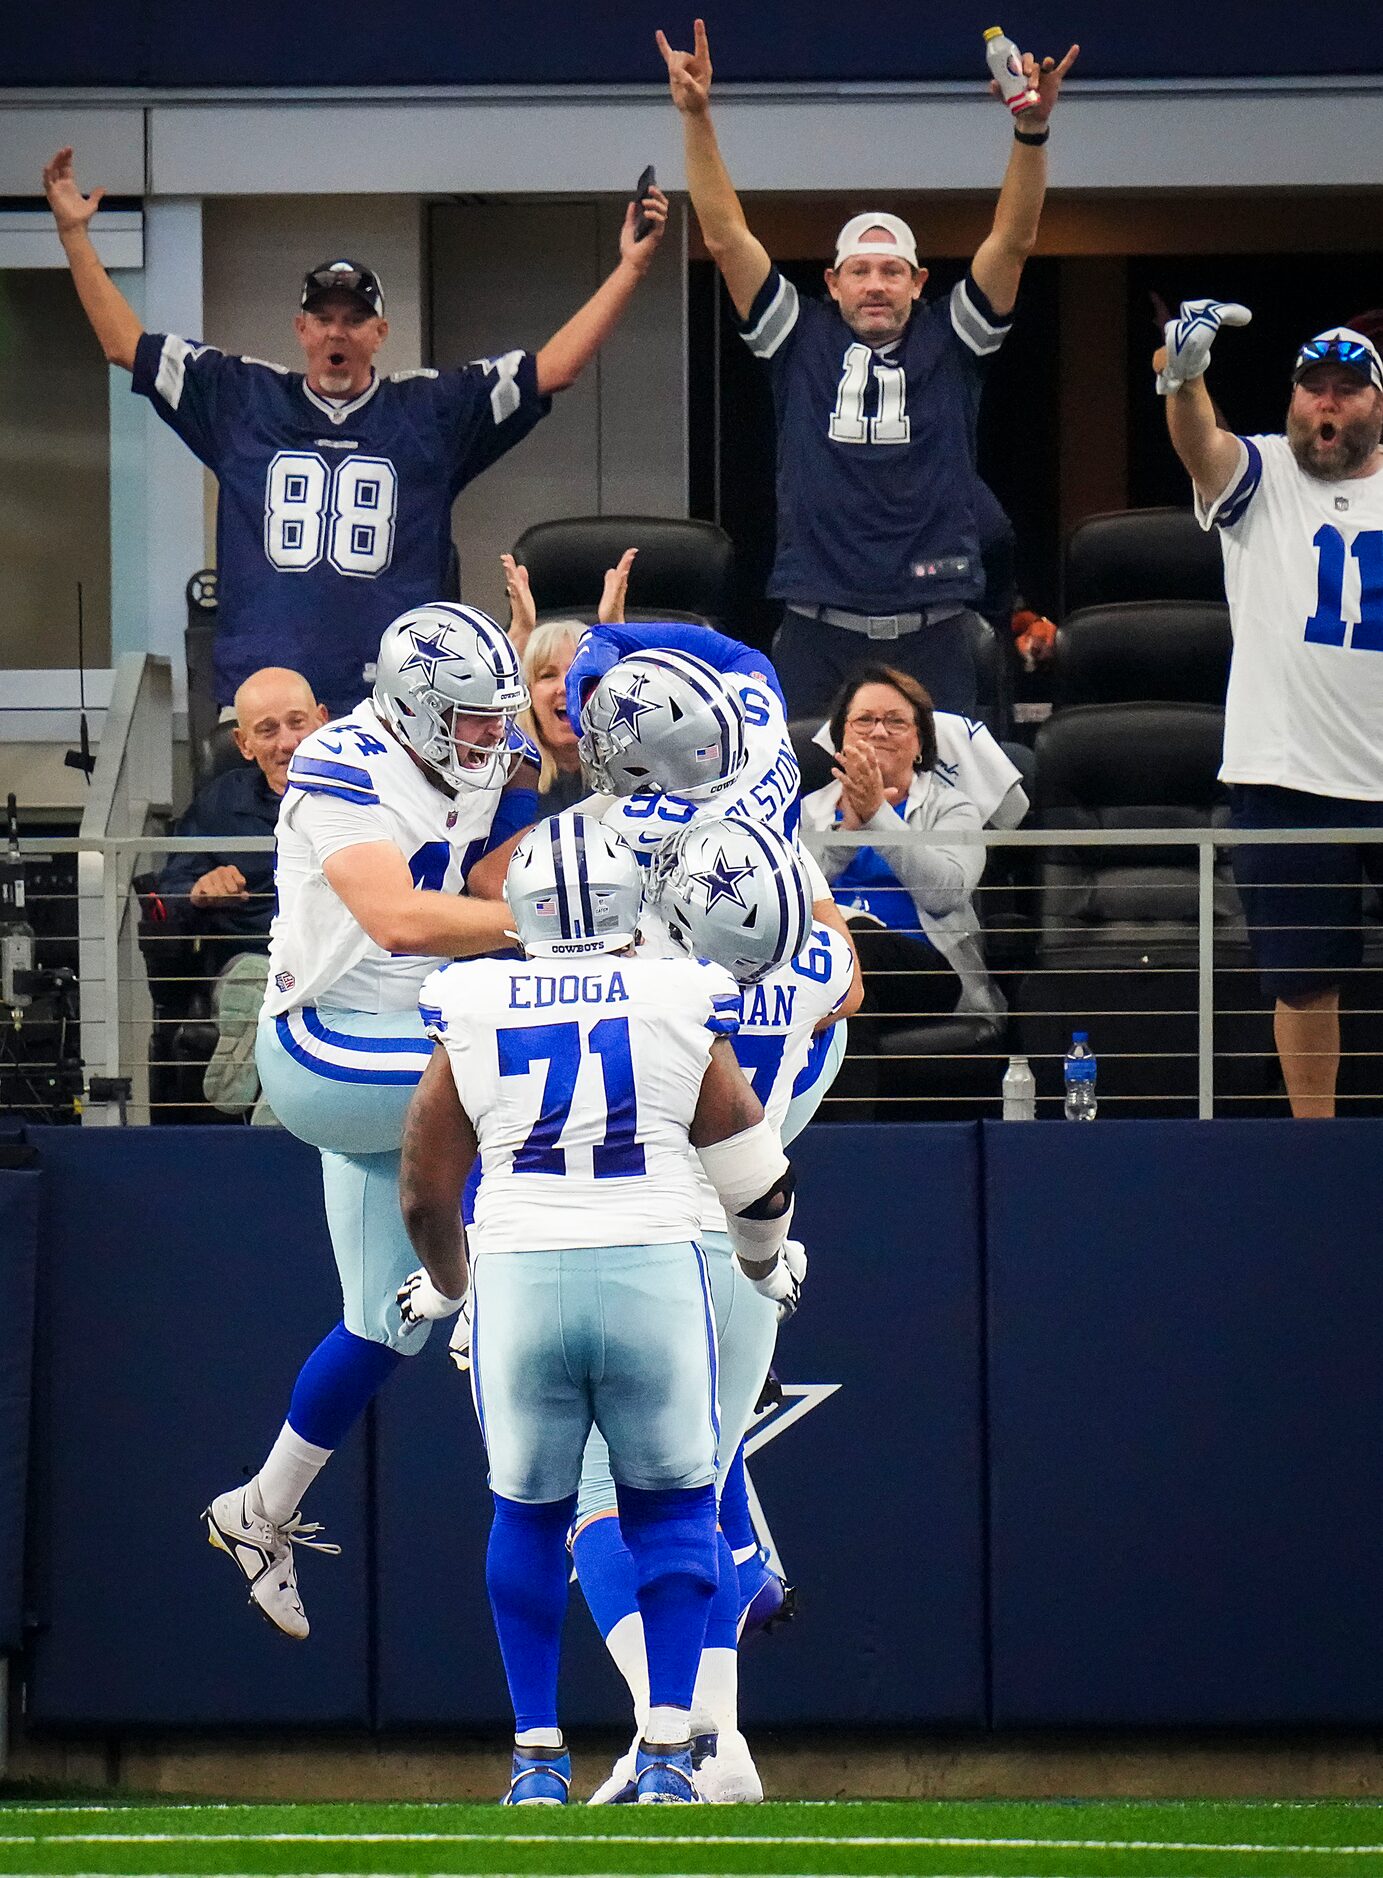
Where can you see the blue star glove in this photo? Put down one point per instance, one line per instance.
(1190, 336)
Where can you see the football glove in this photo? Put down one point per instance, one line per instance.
(1190, 336)
(459, 1343)
(782, 1283)
(420, 1302)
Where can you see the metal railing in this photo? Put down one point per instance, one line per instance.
(1032, 945)
(131, 785)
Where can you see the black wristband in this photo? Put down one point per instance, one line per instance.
(1033, 137)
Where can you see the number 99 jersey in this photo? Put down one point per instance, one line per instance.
(766, 791)
(581, 1081)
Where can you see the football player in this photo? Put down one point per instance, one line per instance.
(386, 814)
(735, 893)
(584, 1076)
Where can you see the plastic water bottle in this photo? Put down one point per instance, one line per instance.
(1020, 1091)
(1080, 1079)
(1006, 64)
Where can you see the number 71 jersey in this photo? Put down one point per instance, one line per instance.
(1304, 578)
(581, 1079)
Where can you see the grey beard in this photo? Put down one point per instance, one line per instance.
(1357, 444)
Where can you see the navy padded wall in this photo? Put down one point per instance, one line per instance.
(184, 1274)
(19, 1194)
(1186, 1422)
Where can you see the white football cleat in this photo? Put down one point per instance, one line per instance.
(728, 1776)
(264, 1554)
(619, 1788)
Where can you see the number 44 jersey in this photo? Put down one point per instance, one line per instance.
(1304, 577)
(349, 783)
(581, 1078)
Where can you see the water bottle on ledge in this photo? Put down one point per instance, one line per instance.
(1020, 1091)
(1080, 1079)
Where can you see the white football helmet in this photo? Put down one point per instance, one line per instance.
(665, 721)
(733, 892)
(574, 888)
(442, 661)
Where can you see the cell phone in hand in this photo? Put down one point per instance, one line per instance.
(642, 223)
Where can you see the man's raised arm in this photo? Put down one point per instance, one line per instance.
(1210, 454)
(1000, 257)
(741, 257)
(572, 347)
(113, 320)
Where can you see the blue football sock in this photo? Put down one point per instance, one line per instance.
(735, 1522)
(722, 1621)
(605, 1572)
(671, 1537)
(335, 1384)
(526, 1576)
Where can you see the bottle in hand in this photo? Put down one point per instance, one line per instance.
(1006, 64)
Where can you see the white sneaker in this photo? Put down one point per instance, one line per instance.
(264, 1553)
(620, 1788)
(729, 1777)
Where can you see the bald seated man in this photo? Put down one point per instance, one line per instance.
(232, 895)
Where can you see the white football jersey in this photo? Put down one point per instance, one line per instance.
(1304, 576)
(352, 782)
(775, 1044)
(581, 1081)
(766, 791)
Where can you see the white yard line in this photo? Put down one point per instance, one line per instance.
(938, 1842)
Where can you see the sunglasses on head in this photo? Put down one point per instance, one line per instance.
(340, 280)
(1351, 352)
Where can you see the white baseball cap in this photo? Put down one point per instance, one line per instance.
(851, 239)
(1342, 345)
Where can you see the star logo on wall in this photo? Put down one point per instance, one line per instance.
(427, 654)
(722, 881)
(795, 1401)
(629, 706)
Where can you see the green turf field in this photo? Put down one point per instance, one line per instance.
(1210, 1839)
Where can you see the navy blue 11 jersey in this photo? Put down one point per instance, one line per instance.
(334, 516)
(876, 449)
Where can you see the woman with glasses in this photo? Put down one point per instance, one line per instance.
(909, 904)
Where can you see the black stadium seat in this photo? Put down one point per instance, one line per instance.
(1144, 650)
(1117, 949)
(684, 569)
(1140, 554)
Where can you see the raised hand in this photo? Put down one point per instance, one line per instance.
(1044, 77)
(1190, 336)
(640, 252)
(688, 73)
(523, 611)
(71, 209)
(616, 586)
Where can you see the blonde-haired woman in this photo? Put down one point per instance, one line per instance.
(547, 651)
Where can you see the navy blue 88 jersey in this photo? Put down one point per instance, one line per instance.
(334, 517)
(876, 449)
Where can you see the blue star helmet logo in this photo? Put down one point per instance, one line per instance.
(427, 654)
(629, 707)
(721, 881)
